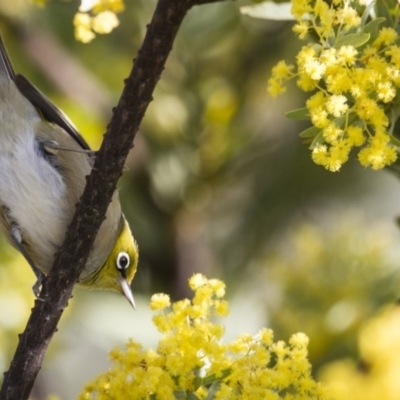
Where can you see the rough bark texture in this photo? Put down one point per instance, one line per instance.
(101, 184)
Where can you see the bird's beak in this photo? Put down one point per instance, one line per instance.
(127, 292)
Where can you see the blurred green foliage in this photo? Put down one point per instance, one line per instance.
(329, 284)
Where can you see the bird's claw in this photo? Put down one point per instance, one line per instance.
(36, 287)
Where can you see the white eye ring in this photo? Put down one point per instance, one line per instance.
(123, 261)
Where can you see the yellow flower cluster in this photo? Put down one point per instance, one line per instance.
(192, 361)
(97, 16)
(354, 72)
(375, 375)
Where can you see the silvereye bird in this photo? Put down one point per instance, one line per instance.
(43, 165)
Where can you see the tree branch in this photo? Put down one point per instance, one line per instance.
(90, 212)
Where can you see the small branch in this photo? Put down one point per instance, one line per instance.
(101, 184)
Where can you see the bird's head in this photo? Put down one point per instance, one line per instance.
(120, 267)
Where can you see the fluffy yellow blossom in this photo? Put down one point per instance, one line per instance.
(375, 374)
(321, 8)
(354, 73)
(83, 27)
(332, 157)
(376, 67)
(394, 53)
(306, 53)
(393, 73)
(196, 281)
(300, 340)
(314, 69)
(281, 72)
(386, 36)
(159, 301)
(301, 29)
(337, 105)
(347, 54)
(317, 100)
(348, 17)
(386, 92)
(319, 117)
(370, 111)
(275, 87)
(300, 7)
(218, 287)
(329, 57)
(104, 22)
(338, 79)
(96, 16)
(305, 82)
(355, 135)
(193, 361)
(378, 153)
(332, 133)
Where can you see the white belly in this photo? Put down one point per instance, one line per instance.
(32, 190)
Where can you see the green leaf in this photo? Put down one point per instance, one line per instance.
(300, 114)
(269, 10)
(382, 9)
(180, 395)
(367, 13)
(394, 140)
(355, 39)
(197, 382)
(373, 28)
(319, 139)
(317, 47)
(213, 389)
(310, 132)
(210, 379)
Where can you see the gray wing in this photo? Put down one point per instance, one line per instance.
(48, 109)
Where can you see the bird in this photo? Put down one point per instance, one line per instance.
(44, 162)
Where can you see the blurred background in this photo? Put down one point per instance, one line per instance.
(218, 182)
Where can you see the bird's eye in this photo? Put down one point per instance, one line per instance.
(123, 261)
